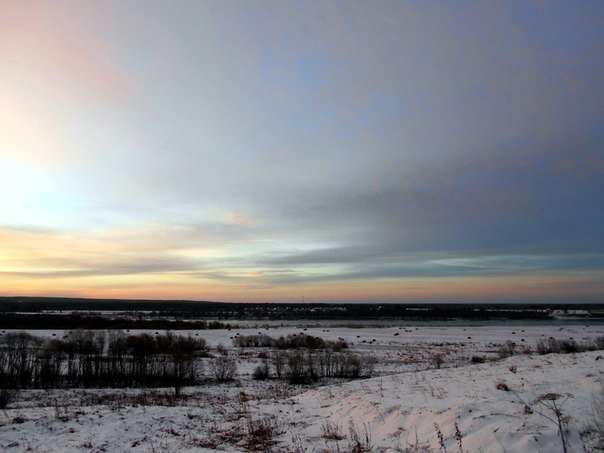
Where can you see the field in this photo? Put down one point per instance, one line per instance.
(417, 388)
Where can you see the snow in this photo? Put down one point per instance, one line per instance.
(402, 409)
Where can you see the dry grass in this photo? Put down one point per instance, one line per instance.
(331, 431)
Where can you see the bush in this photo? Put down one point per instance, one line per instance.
(294, 341)
(261, 372)
(253, 341)
(437, 361)
(279, 361)
(302, 368)
(552, 345)
(507, 350)
(224, 368)
(7, 396)
(261, 434)
(296, 372)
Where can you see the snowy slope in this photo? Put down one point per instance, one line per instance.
(402, 411)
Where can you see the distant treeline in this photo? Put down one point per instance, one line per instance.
(190, 311)
(73, 321)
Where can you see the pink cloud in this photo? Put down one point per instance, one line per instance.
(61, 47)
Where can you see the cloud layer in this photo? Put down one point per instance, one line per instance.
(342, 151)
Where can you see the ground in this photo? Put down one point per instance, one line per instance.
(502, 405)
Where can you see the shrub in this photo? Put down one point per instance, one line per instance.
(293, 341)
(7, 396)
(302, 368)
(568, 346)
(507, 350)
(279, 361)
(437, 360)
(261, 434)
(296, 372)
(253, 341)
(224, 368)
(261, 372)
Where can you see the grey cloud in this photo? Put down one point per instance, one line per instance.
(390, 139)
(445, 266)
(461, 90)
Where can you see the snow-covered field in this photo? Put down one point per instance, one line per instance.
(409, 405)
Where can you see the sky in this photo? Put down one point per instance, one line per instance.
(324, 151)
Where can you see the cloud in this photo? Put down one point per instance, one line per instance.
(43, 253)
(59, 76)
(61, 49)
(512, 200)
(311, 267)
(109, 267)
(243, 145)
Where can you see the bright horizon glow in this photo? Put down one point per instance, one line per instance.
(288, 151)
